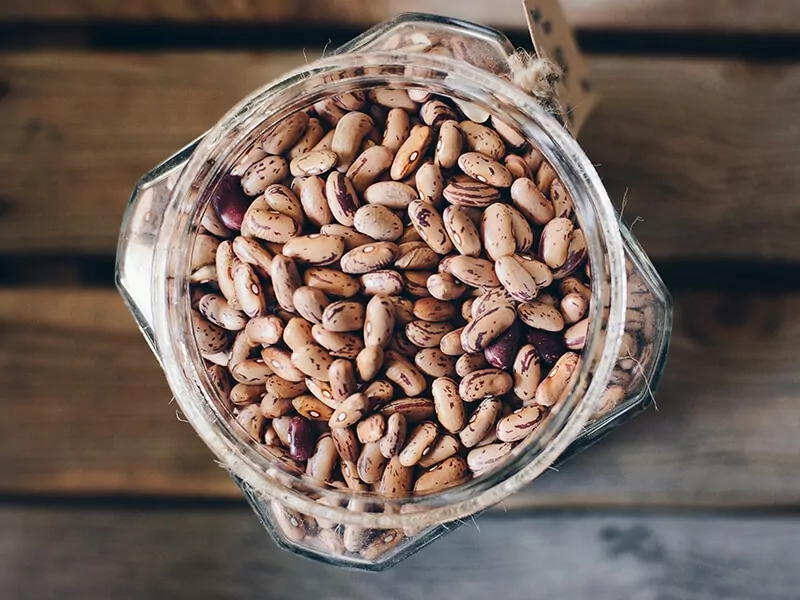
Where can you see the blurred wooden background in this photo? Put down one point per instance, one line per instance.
(105, 494)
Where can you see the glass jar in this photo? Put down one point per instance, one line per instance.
(630, 308)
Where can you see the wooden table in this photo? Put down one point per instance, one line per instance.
(104, 493)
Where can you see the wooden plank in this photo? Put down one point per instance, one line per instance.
(137, 554)
(619, 15)
(88, 412)
(709, 150)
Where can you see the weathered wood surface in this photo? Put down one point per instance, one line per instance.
(697, 144)
(616, 15)
(87, 411)
(200, 553)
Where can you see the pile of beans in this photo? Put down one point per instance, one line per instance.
(390, 296)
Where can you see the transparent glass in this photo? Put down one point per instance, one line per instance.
(630, 308)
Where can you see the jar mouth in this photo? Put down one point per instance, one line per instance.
(229, 138)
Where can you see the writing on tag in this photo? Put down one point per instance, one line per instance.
(554, 39)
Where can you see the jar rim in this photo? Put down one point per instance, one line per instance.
(180, 357)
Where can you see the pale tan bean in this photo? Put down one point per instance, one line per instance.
(241, 349)
(484, 169)
(325, 142)
(541, 316)
(486, 328)
(371, 429)
(571, 285)
(346, 444)
(448, 404)
(484, 383)
(204, 274)
(251, 371)
(243, 394)
(462, 231)
(470, 193)
(296, 333)
(310, 303)
(312, 407)
(342, 378)
(482, 458)
(481, 422)
(285, 280)
(533, 158)
(284, 134)
(443, 286)
(392, 98)
(527, 372)
(554, 242)
(204, 251)
(435, 112)
(411, 152)
(368, 166)
(249, 292)
(368, 258)
(321, 391)
(419, 95)
(497, 231)
(281, 427)
(378, 222)
(612, 397)
(210, 338)
(469, 363)
(265, 172)
(251, 420)
(530, 201)
(398, 127)
(316, 249)
(323, 461)
(443, 475)
(313, 134)
(553, 387)
(317, 162)
(370, 463)
(269, 225)
(350, 475)
(448, 147)
(545, 176)
(576, 255)
(291, 523)
(332, 282)
(254, 254)
(338, 344)
(416, 283)
(283, 200)
(384, 282)
(350, 412)
(429, 181)
(395, 436)
(490, 299)
(273, 407)
(369, 362)
(352, 238)
(379, 321)
(349, 132)
(416, 255)
(442, 449)
(435, 363)
(253, 155)
(523, 234)
(218, 376)
(515, 279)
(396, 480)
(434, 310)
(562, 203)
(510, 135)
(391, 194)
(428, 223)
(479, 138)
(379, 391)
(400, 343)
(574, 307)
(284, 389)
(575, 336)
(427, 334)
(314, 203)
(540, 272)
(414, 410)
(355, 100)
(343, 315)
(342, 198)
(418, 443)
(521, 423)
(450, 343)
(403, 310)
(224, 263)
(215, 308)
(475, 272)
(403, 373)
(280, 361)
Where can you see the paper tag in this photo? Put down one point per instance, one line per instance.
(554, 39)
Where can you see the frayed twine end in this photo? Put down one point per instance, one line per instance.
(537, 76)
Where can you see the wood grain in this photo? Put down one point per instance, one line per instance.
(708, 150)
(74, 554)
(619, 15)
(88, 411)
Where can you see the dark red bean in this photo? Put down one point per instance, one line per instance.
(230, 201)
(501, 352)
(301, 438)
(548, 345)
